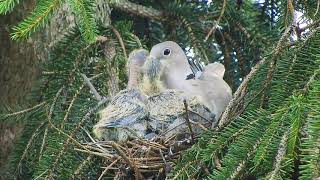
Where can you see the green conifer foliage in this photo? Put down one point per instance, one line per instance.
(270, 130)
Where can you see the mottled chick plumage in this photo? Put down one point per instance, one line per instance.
(124, 118)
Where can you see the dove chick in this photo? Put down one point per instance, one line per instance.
(124, 118)
(151, 83)
(136, 61)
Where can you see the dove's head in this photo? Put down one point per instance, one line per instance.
(166, 59)
(138, 56)
(169, 54)
(169, 62)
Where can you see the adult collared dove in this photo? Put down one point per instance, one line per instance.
(210, 87)
(166, 107)
(136, 61)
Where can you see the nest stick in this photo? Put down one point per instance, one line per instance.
(91, 138)
(105, 155)
(199, 124)
(164, 159)
(93, 90)
(107, 168)
(125, 157)
(193, 112)
(153, 144)
(187, 119)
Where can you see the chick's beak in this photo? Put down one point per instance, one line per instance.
(153, 67)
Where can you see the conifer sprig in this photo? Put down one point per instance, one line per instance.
(38, 18)
(6, 6)
(83, 9)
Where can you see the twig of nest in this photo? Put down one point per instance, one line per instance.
(146, 135)
(140, 158)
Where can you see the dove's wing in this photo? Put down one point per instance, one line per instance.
(213, 69)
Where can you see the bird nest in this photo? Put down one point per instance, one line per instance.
(141, 158)
(144, 140)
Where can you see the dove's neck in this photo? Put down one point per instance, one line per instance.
(176, 77)
(134, 73)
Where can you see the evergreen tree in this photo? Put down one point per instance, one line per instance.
(269, 130)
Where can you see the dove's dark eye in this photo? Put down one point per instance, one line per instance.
(166, 52)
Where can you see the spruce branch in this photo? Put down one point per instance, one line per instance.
(23, 111)
(227, 61)
(318, 7)
(272, 67)
(92, 88)
(6, 6)
(83, 10)
(243, 163)
(241, 28)
(182, 170)
(311, 26)
(239, 54)
(269, 141)
(280, 155)
(39, 127)
(238, 95)
(118, 35)
(72, 134)
(39, 17)
(26, 150)
(70, 106)
(311, 80)
(44, 139)
(194, 40)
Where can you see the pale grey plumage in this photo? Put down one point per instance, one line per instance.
(165, 104)
(210, 88)
(212, 70)
(175, 65)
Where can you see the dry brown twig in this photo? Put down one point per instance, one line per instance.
(108, 167)
(188, 120)
(216, 23)
(116, 146)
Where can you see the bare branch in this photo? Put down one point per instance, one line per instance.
(216, 23)
(188, 121)
(93, 90)
(238, 94)
(124, 5)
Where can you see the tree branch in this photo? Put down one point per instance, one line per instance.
(126, 6)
